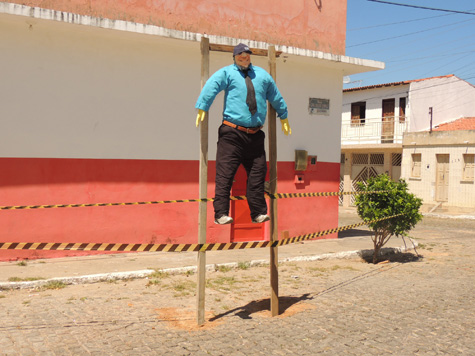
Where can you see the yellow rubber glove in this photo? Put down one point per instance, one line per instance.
(286, 127)
(200, 117)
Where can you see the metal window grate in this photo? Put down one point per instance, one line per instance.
(397, 159)
(365, 174)
(377, 159)
(360, 158)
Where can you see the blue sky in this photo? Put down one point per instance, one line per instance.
(413, 43)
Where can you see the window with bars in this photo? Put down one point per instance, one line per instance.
(396, 159)
(468, 167)
(376, 159)
(360, 158)
(358, 113)
(416, 165)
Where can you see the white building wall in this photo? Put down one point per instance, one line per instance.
(72, 91)
(299, 80)
(450, 98)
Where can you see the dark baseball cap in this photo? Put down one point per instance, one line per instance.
(241, 48)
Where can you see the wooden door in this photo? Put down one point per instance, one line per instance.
(387, 129)
(442, 178)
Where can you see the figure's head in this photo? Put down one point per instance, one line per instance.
(242, 55)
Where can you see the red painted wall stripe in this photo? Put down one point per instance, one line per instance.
(34, 181)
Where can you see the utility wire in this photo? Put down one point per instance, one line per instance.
(446, 46)
(409, 34)
(398, 61)
(439, 55)
(421, 40)
(397, 23)
(392, 68)
(423, 7)
(401, 66)
(445, 65)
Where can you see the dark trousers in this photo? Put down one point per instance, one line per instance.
(234, 148)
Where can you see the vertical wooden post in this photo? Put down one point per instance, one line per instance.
(203, 181)
(271, 117)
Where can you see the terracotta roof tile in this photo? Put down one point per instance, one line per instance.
(465, 123)
(395, 83)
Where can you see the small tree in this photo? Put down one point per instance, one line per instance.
(393, 201)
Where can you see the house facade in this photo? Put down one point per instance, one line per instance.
(375, 120)
(98, 107)
(439, 165)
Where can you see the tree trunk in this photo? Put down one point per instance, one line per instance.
(377, 249)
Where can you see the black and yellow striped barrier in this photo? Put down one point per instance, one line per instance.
(120, 247)
(240, 197)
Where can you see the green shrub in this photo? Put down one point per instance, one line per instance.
(393, 200)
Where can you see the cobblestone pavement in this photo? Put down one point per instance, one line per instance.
(407, 306)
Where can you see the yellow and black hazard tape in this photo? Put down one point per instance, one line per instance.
(120, 247)
(296, 239)
(25, 207)
(239, 197)
(320, 194)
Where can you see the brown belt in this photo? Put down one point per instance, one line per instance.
(249, 130)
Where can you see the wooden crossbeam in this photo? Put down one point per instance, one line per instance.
(255, 51)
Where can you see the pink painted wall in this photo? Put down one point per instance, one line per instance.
(33, 181)
(312, 24)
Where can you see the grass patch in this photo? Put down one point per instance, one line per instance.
(53, 285)
(244, 265)
(156, 278)
(333, 268)
(318, 269)
(221, 283)
(22, 263)
(153, 282)
(159, 274)
(183, 288)
(253, 278)
(27, 279)
(428, 247)
(223, 268)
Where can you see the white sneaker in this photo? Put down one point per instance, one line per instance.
(260, 219)
(223, 220)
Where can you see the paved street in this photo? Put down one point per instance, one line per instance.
(406, 306)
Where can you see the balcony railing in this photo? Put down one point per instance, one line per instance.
(373, 131)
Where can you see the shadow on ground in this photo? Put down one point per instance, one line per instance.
(400, 257)
(254, 307)
(353, 233)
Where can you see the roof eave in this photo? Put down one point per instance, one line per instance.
(348, 65)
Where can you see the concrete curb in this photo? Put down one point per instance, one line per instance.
(113, 276)
(444, 216)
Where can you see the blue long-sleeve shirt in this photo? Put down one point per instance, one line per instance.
(232, 81)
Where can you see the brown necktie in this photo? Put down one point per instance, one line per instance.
(251, 93)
